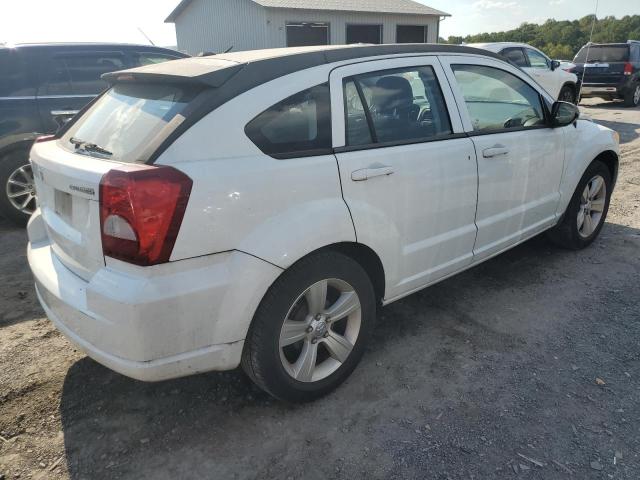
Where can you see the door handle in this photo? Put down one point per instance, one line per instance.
(372, 172)
(64, 113)
(495, 151)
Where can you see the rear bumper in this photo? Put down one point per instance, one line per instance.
(591, 89)
(155, 323)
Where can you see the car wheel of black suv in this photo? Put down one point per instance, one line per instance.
(587, 210)
(17, 189)
(311, 328)
(632, 98)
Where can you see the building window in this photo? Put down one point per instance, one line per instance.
(412, 34)
(307, 34)
(364, 34)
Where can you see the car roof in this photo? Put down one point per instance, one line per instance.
(261, 66)
(500, 44)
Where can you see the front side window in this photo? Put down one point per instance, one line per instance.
(515, 56)
(536, 59)
(498, 100)
(297, 126)
(399, 106)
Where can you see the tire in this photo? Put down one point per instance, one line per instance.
(272, 366)
(632, 97)
(568, 94)
(9, 166)
(573, 234)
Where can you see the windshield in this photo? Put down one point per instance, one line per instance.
(127, 119)
(603, 53)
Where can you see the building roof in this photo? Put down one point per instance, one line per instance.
(408, 7)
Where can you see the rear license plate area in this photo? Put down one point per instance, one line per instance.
(63, 205)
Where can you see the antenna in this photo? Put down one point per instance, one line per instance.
(586, 60)
(145, 36)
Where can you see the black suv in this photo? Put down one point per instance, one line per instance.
(612, 71)
(42, 87)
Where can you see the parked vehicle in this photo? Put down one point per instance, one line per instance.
(560, 83)
(41, 87)
(256, 208)
(610, 71)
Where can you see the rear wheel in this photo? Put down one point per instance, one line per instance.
(632, 98)
(311, 328)
(567, 94)
(17, 194)
(587, 211)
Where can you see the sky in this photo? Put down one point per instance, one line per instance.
(120, 20)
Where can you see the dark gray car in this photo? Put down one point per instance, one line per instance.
(42, 86)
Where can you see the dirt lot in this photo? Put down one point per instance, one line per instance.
(525, 367)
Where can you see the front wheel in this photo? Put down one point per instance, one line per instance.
(567, 94)
(587, 210)
(311, 328)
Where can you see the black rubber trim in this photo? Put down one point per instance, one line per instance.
(413, 141)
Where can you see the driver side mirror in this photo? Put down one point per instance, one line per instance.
(563, 114)
(555, 64)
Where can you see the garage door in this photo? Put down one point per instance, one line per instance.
(364, 34)
(411, 34)
(307, 34)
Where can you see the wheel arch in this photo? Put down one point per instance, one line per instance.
(611, 160)
(362, 254)
(23, 144)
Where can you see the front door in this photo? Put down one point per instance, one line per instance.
(408, 172)
(520, 159)
(540, 69)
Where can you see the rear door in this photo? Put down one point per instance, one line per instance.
(408, 172)
(70, 80)
(520, 159)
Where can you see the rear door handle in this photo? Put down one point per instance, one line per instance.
(371, 172)
(64, 113)
(495, 151)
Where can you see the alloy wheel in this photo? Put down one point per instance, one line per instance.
(320, 330)
(21, 191)
(592, 204)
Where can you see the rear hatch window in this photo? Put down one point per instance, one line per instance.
(129, 120)
(603, 54)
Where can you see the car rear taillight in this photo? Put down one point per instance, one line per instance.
(628, 68)
(141, 210)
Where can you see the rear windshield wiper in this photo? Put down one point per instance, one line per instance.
(90, 147)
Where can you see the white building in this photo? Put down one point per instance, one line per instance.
(218, 25)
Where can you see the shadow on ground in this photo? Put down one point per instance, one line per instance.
(459, 378)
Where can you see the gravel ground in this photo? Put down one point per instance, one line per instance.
(527, 366)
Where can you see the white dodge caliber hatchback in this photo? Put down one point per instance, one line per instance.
(256, 208)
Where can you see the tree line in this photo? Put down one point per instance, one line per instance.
(562, 39)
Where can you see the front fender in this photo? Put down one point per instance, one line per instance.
(583, 144)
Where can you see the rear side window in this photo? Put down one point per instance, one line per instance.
(128, 119)
(151, 58)
(397, 106)
(15, 80)
(79, 74)
(516, 56)
(295, 127)
(602, 54)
